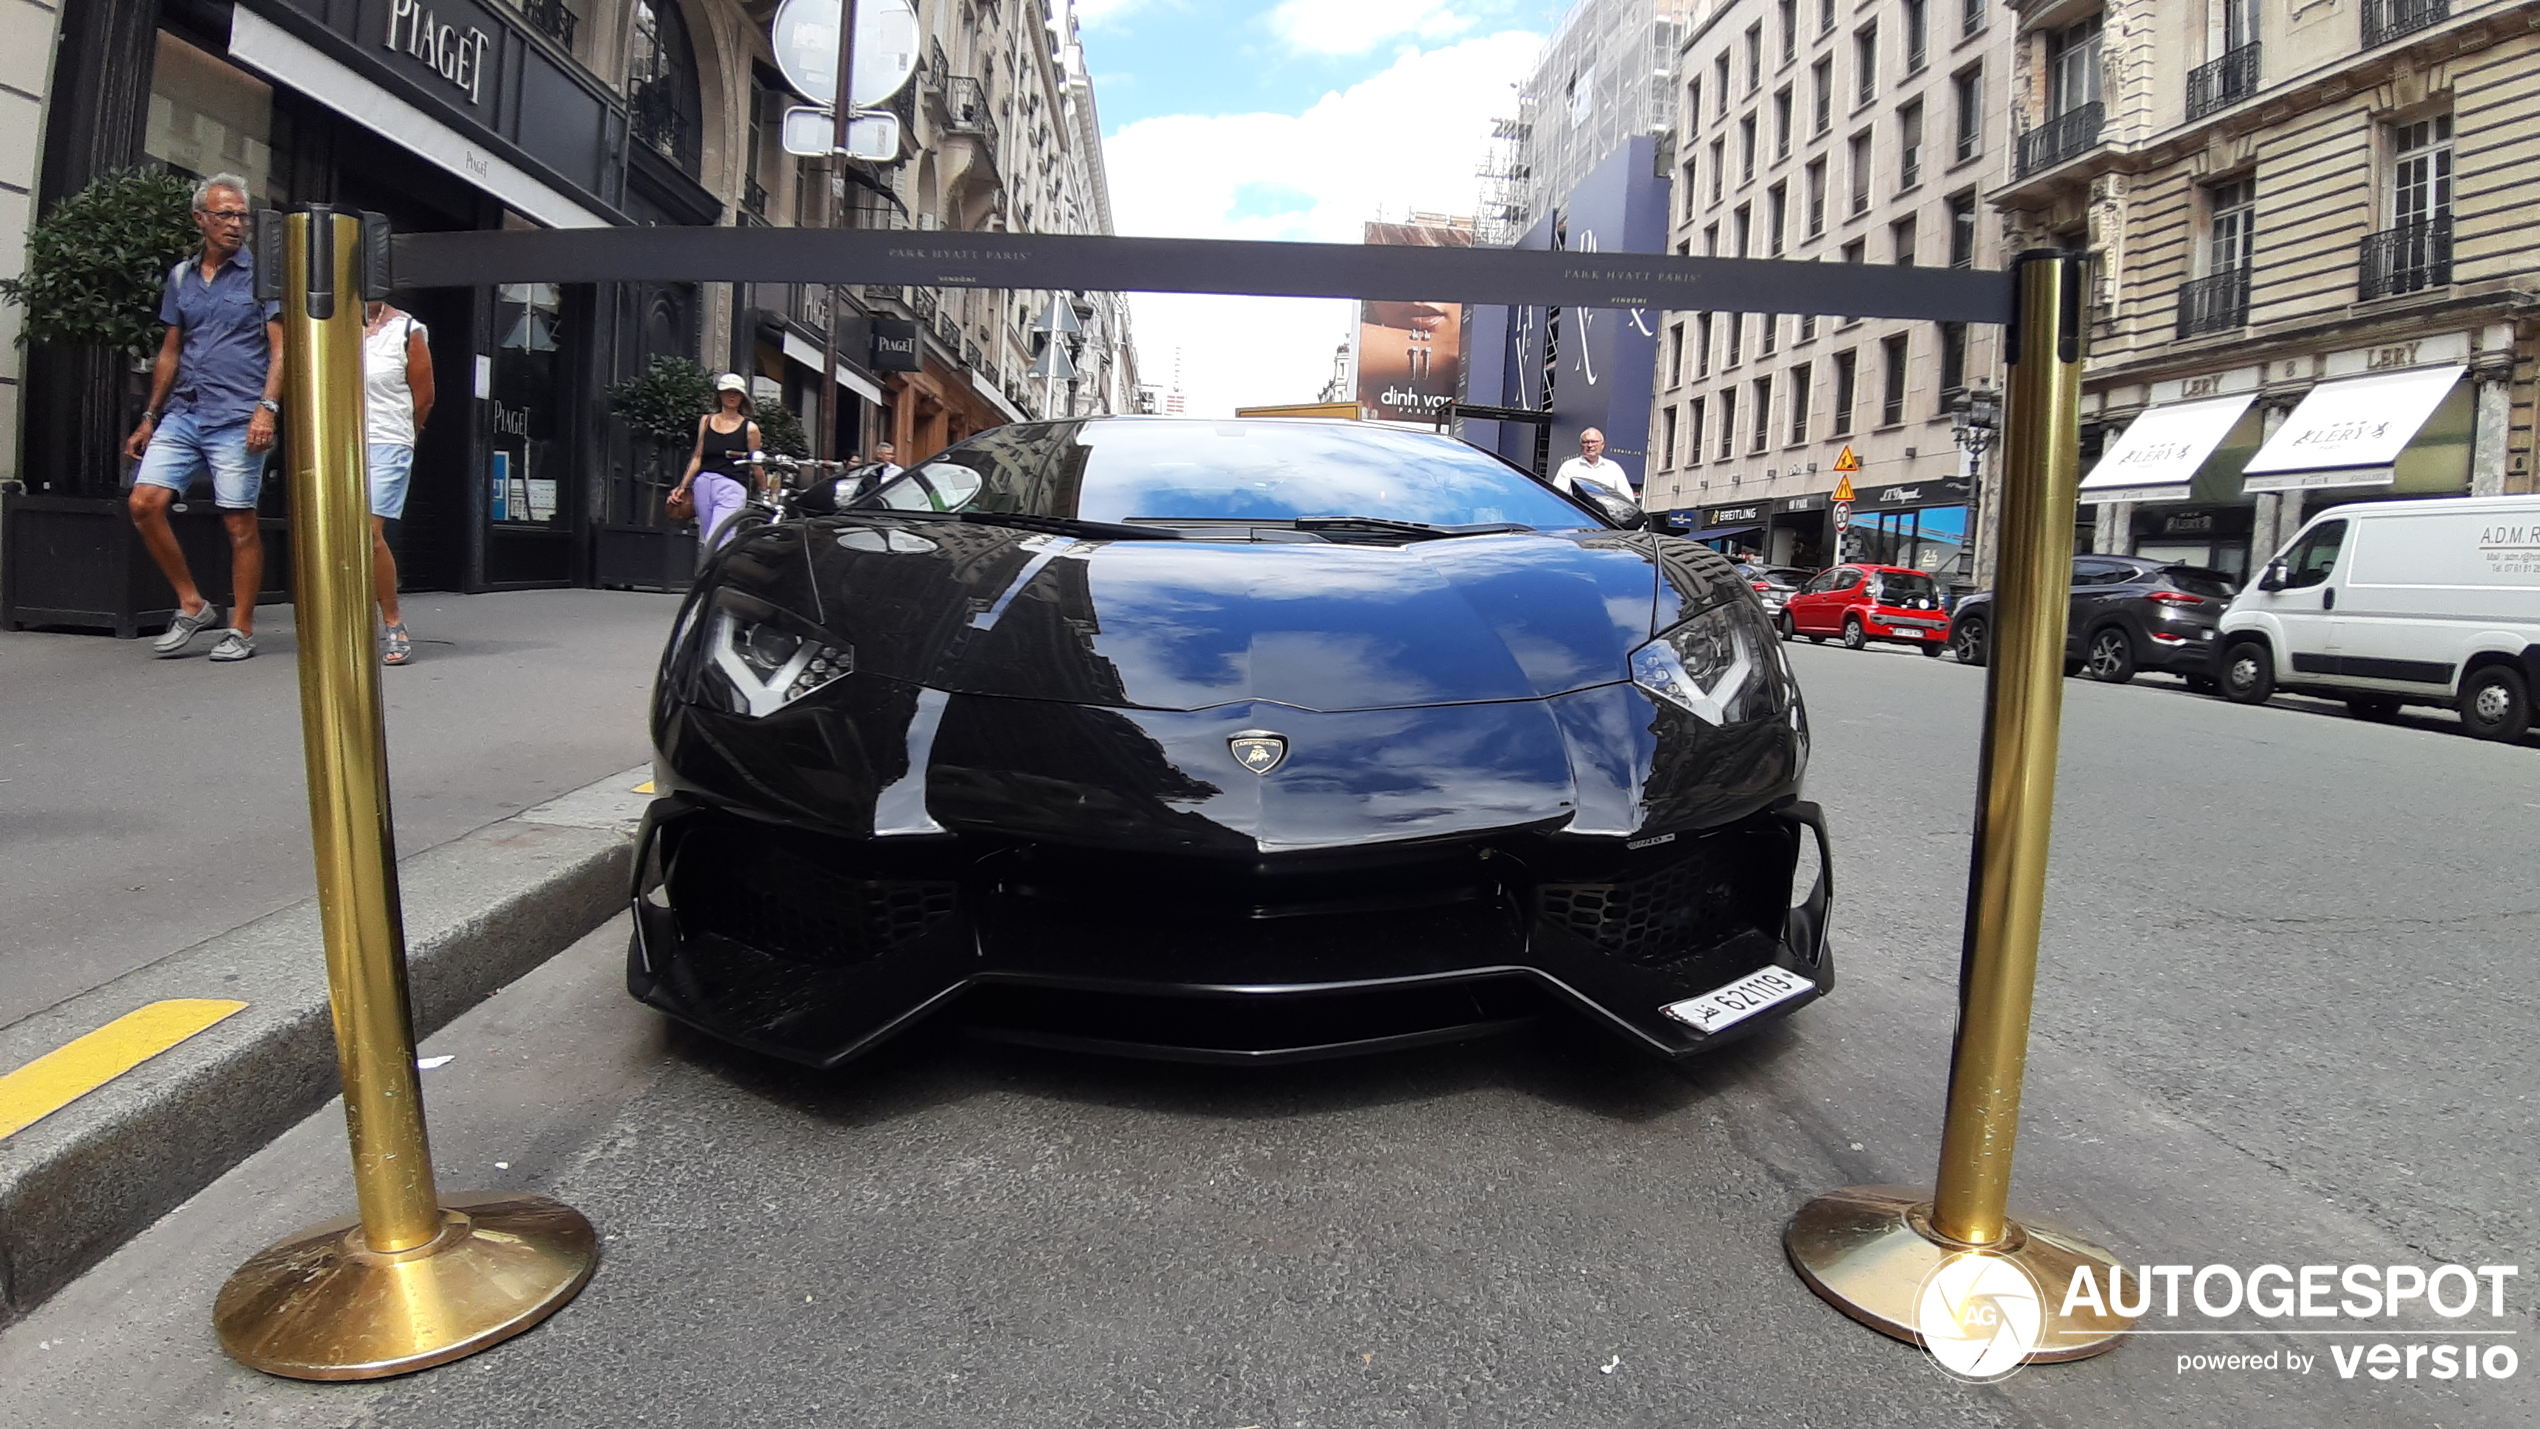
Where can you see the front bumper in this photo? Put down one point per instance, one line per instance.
(817, 949)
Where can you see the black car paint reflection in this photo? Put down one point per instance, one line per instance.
(1024, 794)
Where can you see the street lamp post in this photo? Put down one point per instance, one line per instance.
(1973, 418)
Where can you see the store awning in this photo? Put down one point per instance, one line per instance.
(803, 352)
(1713, 533)
(2157, 457)
(2350, 433)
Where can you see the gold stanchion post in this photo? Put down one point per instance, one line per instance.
(416, 1279)
(1872, 1251)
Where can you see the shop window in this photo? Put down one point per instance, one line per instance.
(663, 106)
(1931, 540)
(209, 117)
(524, 480)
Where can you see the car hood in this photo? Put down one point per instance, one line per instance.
(1189, 625)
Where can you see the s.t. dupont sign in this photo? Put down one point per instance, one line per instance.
(455, 54)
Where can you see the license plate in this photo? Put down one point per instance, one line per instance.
(1739, 1000)
(1916, 631)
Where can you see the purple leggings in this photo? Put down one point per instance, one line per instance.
(718, 500)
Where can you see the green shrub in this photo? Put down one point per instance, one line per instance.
(665, 400)
(96, 263)
(781, 431)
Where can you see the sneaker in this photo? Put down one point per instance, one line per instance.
(396, 646)
(182, 630)
(236, 645)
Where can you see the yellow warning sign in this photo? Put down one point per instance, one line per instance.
(1847, 461)
(1843, 490)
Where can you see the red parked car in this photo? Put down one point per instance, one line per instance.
(1862, 603)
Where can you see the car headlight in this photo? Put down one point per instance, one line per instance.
(1722, 666)
(757, 659)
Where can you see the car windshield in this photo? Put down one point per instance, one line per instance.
(2197, 580)
(1905, 587)
(1202, 471)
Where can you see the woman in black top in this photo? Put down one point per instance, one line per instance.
(726, 440)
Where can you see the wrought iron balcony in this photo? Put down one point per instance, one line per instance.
(2067, 136)
(754, 199)
(2216, 304)
(2222, 83)
(2406, 259)
(654, 114)
(922, 301)
(966, 110)
(2387, 20)
(551, 19)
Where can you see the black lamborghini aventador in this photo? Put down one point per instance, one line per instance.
(1224, 740)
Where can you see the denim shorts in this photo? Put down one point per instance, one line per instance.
(182, 447)
(390, 465)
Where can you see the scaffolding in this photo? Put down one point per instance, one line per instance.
(1607, 75)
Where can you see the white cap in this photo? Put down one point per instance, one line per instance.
(731, 382)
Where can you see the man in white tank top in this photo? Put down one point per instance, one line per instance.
(397, 398)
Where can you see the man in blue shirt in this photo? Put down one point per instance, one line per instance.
(213, 401)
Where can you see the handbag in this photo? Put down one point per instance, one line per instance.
(680, 505)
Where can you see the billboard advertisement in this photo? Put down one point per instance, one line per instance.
(1411, 355)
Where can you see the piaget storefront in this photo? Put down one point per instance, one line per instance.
(446, 115)
(2218, 470)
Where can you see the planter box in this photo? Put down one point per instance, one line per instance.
(644, 557)
(76, 561)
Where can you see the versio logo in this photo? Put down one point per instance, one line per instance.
(1979, 1315)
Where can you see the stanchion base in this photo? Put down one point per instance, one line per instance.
(322, 1305)
(1867, 1251)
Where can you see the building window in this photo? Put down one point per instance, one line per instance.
(1909, 146)
(1972, 21)
(1962, 231)
(1691, 195)
(1737, 341)
(1702, 346)
(1825, 16)
(663, 108)
(2415, 251)
(1710, 240)
(1865, 62)
(1795, 397)
(1666, 438)
(2232, 230)
(1763, 414)
(1917, 34)
(1857, 251)
(1693, 108)
(1719, 168)
(1754, 58)
(1900, 236)
(1720, 84)
(2072, 67)
(1807, 328)
(1742, 227)
(1777, 212)
(1728, 423)
(1768, 331)
(1790, 30)
(1693, 432)
(1814, 186)
(1861, 173)
(1847, 371)
(1676, 355)
(1746, 149)
(1781, 123)
(1821, 96)
(1969, 87)
(1894, 352)
(1953, 363)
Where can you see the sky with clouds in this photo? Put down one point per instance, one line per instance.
(1297, 120)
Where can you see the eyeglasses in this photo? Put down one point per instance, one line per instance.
(224, 215)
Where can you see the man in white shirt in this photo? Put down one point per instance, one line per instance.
(1591, 467)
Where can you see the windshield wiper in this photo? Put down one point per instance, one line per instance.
(1418, 530)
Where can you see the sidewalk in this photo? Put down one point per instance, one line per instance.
(147, 805)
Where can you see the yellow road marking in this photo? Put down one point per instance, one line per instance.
(644, 788)
(83, 1064)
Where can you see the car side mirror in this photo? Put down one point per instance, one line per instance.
(2273, 579)
(1617, 510)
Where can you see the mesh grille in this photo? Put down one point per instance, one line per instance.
(753, 889)
(1658, 917)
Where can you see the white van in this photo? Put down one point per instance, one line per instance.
(2398, 602)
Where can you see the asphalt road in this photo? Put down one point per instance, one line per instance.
(148, 804)
(2285, 1016)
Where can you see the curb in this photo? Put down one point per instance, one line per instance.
(480, 911)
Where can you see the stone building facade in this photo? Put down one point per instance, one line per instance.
(1831, 132)
(2296, 217)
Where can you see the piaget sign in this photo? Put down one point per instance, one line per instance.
(456, 55)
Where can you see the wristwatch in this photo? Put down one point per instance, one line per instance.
(269, 405)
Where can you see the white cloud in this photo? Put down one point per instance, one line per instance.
(1091, 13)
(1349, 27)
(1407, 138)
